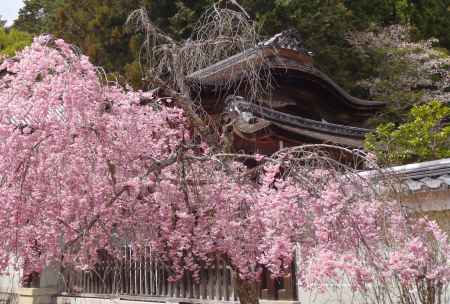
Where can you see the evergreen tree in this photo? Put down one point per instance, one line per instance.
(38, 16)
(98, 27)
(432, 19)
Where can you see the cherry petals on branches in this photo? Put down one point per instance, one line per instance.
(86, 165)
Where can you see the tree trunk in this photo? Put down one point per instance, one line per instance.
(247, 291)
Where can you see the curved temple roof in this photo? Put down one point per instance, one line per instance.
(279, 56)
(265, 117)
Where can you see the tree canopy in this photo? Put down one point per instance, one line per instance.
(97, 26)
(424, 136)
(38, 16)
(12, 40)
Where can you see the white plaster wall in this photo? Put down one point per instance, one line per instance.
(49, 277)
(428, 201)
(10, 280)
(338, 295)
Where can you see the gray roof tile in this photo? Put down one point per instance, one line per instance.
(426, 176)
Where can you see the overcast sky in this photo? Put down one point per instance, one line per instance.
(9, 9)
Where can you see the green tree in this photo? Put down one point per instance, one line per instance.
(12, 40)
(323, 25)
(424, 136)
(97, 26)
(179, 17)
(381, 12)
(432, 19)
(38, 16)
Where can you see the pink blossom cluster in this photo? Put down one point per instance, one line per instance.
(424, 254)
(69, 145)
(425, 66)
(86, 166)
(246, 224)
(361, 240)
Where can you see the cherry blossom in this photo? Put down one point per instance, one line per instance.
(88, 165)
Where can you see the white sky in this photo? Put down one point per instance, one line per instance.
(9, 9)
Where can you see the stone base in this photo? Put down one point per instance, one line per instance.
(36, 295)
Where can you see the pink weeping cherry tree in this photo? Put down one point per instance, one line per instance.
(84, 162)
(73, 152)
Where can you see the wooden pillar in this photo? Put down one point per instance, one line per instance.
(268, 288)
(287, 293)
(289, 284)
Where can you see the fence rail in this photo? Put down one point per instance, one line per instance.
(145, 276)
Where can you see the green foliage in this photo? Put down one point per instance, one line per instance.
(179, 17)
(431, 18)
(38, 16)
(323, 25)
(97, 26)
(382, 12)
(424, 136)
(12, 41)
(390, 72)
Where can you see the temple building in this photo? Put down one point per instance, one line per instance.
(302, 105)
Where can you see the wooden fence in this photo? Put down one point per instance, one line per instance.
(144, 276)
